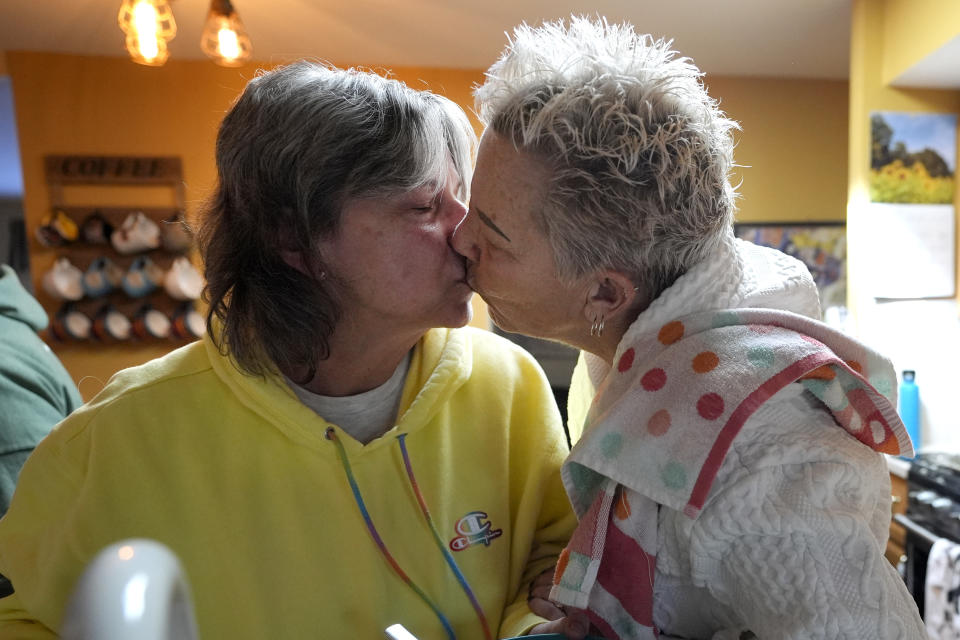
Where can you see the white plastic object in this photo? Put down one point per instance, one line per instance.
(135, 588)
(398, 632)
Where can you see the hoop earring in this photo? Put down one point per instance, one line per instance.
(596, 329)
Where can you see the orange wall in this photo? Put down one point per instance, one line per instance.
(794, 140)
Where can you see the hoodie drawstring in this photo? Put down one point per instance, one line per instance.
(331, 435)
(436, 536)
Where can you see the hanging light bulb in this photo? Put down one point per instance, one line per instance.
(149, 25)
(224, 38)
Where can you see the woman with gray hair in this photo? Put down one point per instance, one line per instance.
(325, 462)
(727, 478)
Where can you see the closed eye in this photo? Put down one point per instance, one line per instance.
(432, 205)
(425, 206)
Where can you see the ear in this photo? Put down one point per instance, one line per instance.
(612, 294)
(296, 260)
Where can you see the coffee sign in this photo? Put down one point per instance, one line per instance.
(113, 169)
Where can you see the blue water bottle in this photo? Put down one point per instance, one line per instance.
(910, 406)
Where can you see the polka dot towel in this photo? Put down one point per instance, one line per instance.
(662, 423)
(664, 418)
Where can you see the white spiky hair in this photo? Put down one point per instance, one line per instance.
(639, 153)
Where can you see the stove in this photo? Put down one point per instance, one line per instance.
(933, 511)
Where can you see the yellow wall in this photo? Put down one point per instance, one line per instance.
(913, 29)
(793, 146)
(915, 334)
(794, 141)
(869, 92)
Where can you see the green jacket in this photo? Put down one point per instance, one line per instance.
(36, 392)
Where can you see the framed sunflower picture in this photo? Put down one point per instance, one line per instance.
(911, 219)
(822, 246)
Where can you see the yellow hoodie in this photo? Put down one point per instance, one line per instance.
(235, 475)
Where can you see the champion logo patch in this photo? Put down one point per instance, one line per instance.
(474, 528)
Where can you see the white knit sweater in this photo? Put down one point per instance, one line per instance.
(790, 541)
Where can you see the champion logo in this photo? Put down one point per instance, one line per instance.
(474, 528)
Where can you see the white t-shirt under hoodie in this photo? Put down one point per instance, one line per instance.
(365, 416)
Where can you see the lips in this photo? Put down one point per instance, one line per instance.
(468, 278)
(464, 269)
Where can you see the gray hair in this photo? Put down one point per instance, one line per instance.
(639, 154)
(300, 142)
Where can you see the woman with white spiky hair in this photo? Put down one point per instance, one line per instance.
(727, 479)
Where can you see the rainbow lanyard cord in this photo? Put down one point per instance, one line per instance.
(331, 435)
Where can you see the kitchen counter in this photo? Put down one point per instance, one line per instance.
(898, 466)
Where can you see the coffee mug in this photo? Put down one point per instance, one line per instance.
(137, 233)
(188, 323)
(102, 277)
(70, 324)
(143, 277)
(96, 229)
(182, 280)
(151, 323)
(63, 281)
(109, 325)
(48, 237)
(57, 229)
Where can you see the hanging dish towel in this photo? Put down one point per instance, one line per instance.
(941, 611)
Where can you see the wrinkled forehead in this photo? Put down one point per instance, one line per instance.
(509, 186)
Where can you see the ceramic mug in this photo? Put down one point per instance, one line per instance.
(109, 325)
(137, 233)
(57, 229)
(182, 280)
(95, 229)
(70, 324)
(48, 236)
(143, 277)
(188, 323)
(102, 277)
(150, 323)
(63, 281)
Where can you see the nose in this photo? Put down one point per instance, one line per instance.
(463, 239)
(456, 211)
(452, 215)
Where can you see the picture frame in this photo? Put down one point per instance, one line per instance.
(821, 246)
